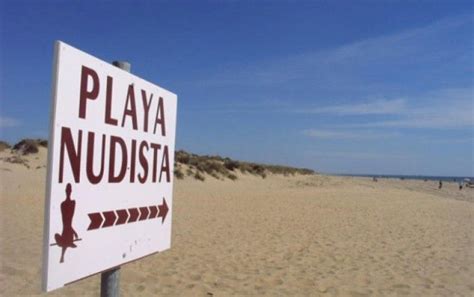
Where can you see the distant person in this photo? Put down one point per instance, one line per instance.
(374, 179)
(460, 185)
(440, 185)
(69, 235)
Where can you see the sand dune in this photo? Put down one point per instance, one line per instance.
(280, 236)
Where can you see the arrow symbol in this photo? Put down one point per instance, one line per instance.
(153, 212)
(96, 220)
(122, 217)
(163, 210)
(144, 213)
(109, 219)
(133, 215)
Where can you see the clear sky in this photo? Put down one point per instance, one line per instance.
(377, 87)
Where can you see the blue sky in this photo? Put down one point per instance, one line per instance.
(377, 87)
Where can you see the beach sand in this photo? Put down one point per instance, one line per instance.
(280, 236)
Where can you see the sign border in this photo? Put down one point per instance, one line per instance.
(47, 203)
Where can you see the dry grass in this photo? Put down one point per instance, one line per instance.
(4, 146)
(29, 146)
(222, 168)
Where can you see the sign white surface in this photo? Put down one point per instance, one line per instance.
(110, 168)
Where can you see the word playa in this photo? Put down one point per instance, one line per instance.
(94, 150)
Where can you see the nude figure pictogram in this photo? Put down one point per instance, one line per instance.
(69, 235)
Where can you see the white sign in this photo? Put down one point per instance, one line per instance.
(110, 168)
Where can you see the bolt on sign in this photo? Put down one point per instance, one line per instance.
(110, 168)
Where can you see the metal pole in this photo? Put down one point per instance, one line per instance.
(109, 283)
(110, 280)
(122, 65)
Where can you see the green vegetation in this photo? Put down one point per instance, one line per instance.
(24, 147)
(29, 146)
(221, 168)
(199, 176)
(178, 173)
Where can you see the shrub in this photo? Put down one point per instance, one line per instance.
(231, 176)
(26, 146)
(277, 169)
(258, 170)
(182, 157)
(42, 142)
(231, 164)
(178, 173)
(214, 157)
(245, 167)
(199, 176)
(4, 145)
(214, 175)
(17, 160)
(218, 167)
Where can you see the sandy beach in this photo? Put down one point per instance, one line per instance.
(279, 236)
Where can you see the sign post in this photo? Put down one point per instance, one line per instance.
(110, 280)
(110, 283)
(110, 170)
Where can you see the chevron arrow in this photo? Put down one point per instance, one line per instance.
(133, 215)
(153, 212)
(122, 216)
(163, 210)
(109, 218)
(96, 220)
(143, 213)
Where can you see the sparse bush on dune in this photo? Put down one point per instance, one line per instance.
(42, 142)
(23, 147)
(244, 167)
(231, 164)
(219, 167)
(211, 167)
(277, 169)
(252, 168)
(26, 146)
(4, 145)
(258, 170)
(189, 172)
(214, 175)
(178, 173)
(231, 176)
(17, 160)
(214, 157)
(182, 157)
(199, 176)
